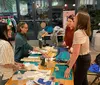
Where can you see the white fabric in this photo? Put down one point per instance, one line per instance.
(6, 57)
(56, 28)
(80, 37)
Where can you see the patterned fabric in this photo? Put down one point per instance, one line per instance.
(6, 57)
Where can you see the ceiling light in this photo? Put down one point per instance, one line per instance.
(66, 5)
(73, 4)
(55, 3)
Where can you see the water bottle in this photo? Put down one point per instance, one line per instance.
(42, 61)
(19, 75)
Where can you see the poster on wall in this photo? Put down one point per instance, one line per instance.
(65, 16)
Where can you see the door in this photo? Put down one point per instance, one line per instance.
(34, 12)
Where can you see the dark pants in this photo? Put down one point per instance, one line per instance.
(82, 66)
(2, 82)
(40, 43)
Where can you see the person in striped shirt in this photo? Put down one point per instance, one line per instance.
(7, 64)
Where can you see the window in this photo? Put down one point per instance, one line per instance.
(23, 8)
(7, 6)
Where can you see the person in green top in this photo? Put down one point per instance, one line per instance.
(22, 48)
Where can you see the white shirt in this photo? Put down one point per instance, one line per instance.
(6, 57)
(80, 37)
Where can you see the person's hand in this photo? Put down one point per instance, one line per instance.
(64, 44)
(20, 65)
(36, 49)
(71, 50)
(45, 55)
(92, 62)
(67, 73)
(15, 68)
(44, 34)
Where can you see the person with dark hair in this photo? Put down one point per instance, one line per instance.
(83, 8)
(7, 64)
(80, 46)
(69, 32)
(22, 47)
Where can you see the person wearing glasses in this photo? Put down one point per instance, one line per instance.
(22, 47)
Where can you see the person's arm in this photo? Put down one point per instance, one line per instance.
(7, 56)
(21, 48)
(28, 47)
(74, 56)
(65, 34)
(64, 43)
(15, 67)
(9, 65)
(44, 34)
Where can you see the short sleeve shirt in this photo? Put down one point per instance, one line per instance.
(80, 37)
(6, 57)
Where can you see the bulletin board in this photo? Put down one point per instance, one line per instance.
(65, 16)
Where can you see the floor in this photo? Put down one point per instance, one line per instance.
(92, 52)
(93, 56)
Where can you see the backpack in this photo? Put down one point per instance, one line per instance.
(97, 60)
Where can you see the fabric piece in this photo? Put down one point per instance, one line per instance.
(41, 81)
(94, 68)
(35, 55)
(9, 22)
(35, 63)
(54, 38)
(60, 73)
(48, 29)
(63, 54)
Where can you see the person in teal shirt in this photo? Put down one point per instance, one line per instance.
(22, 48)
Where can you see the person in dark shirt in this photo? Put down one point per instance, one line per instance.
(69, 32)
(22, 48)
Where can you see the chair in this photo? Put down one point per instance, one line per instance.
(97, 76)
